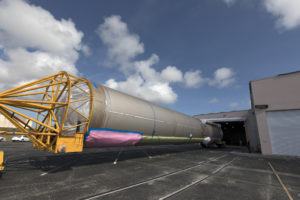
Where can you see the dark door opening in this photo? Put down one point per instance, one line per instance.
(234, 133)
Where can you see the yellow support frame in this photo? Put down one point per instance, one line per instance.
(1, 161)
(37, 117)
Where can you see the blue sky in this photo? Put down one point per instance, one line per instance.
(191, 56)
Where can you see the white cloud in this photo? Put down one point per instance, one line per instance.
(286, 11)
(193, 79)
(86, 50)
(223, 77)
(229, 2)
(141, 78)
(123, 46)
(136, 85)
(214, 100)
(147, 83)
(34, 43)
(171, 74)
(234, 105)
(24, 66)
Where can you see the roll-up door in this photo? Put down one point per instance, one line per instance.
(284, 130)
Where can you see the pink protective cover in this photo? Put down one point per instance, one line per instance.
(104, 138)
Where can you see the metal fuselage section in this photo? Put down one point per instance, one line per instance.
(114, 111)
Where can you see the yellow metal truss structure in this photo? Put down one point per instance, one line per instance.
(41, 109)
(1, 162)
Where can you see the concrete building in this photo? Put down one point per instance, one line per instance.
(6, 125)
(239, 127)
(272, 125)
(276, 105)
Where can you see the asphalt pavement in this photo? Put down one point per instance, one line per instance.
(150, 172)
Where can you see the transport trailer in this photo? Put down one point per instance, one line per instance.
(64, 113)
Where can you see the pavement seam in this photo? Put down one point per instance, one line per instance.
(198, 181)
(264, 171)
(253, 183)
(149, 180)
(280, 181)
(166, 167)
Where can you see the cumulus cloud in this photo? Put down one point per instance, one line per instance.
(172, 74)
(193, 79)
(35, 44)
(136, 85)
(234, 105)
(214, 100)
(23, 66)
(223, 77)
(86, 50)
(141, 78)
(286, 12)
(149, 84)
(123, 46)
(229, 2)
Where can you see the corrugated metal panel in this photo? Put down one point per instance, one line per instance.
(284, 130)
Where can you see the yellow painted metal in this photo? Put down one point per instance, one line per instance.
(78, 112)
(69, 97)
(70, 127)
(79, 100)
(22, 133)
(33, 88)
(1, 161)
(33, 107)
(69, 144)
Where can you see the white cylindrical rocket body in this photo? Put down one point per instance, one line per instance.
(120, 119)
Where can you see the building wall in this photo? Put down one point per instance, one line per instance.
(245, 115)
(231, 114)
(251, 132)
(5, 124)
(277, 93)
